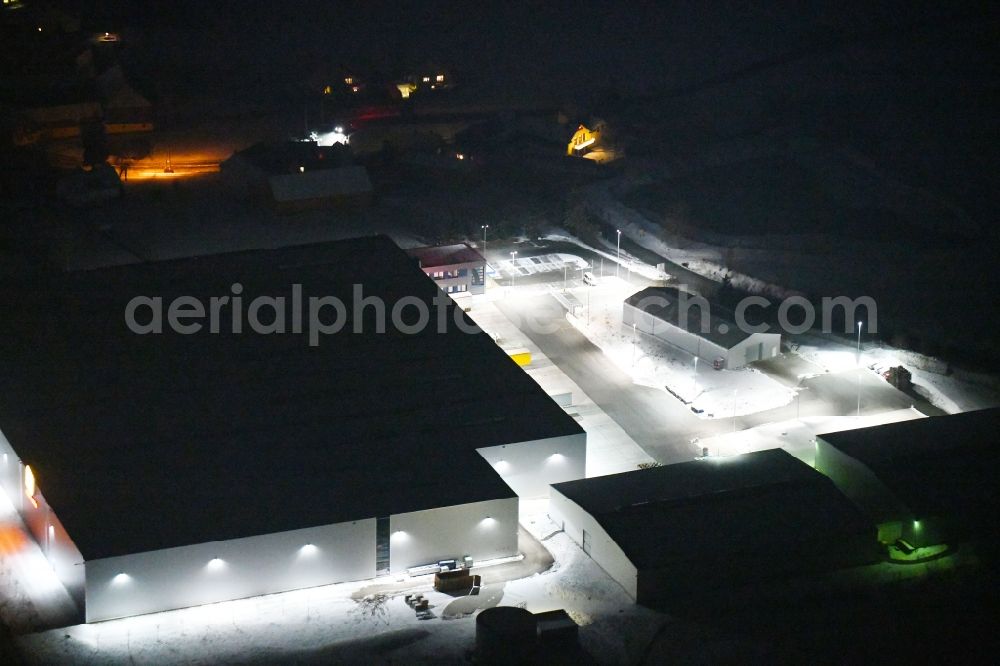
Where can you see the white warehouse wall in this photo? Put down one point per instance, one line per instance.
(187, 576)
(483, 530)
(603, 550)
(695, 344)
(10, 472)
(530, 467)
(678, 337)
(770, 346)
(42, 523)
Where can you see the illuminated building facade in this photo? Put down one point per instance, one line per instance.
(457, 269)
(676, 318)
(584, 140)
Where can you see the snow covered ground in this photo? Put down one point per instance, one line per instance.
(652, 362)
(796, 436)
(952, 392)
(331, 624)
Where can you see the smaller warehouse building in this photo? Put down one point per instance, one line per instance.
(457, 269)
(927, 481)
(688, 322)
(298, 175)
(682, 529)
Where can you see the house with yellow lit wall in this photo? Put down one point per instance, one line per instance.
(584, 140)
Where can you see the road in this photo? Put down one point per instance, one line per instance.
(658, 423)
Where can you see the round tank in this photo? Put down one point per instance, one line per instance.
(505, 635)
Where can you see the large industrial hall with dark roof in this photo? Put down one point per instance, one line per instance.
(167, 470)
(685, 528)
(926, 482)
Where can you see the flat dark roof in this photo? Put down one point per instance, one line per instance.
(141, 442)
(706, 508)
(445, 255)
(663, 303)
(936, 465)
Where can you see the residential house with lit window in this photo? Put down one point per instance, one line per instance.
(584, 140)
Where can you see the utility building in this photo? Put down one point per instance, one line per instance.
(166, 470)
(682, 529)
(690, 323)
(458, 269)
(927, 481)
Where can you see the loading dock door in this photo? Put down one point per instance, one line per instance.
(382, 546)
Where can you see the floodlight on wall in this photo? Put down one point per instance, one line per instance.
(30, 487)
(502, 466)
(121, 578)
(216, 564)
(556, 457)
(398, 535)
(308, 549)
(488, 521)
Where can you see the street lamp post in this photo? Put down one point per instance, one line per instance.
(513, 267)
(565, 267)
(486, 262)
(859, 369)
(618, 261)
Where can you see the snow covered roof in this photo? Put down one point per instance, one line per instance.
(142, 442)
(663, 303)
(716, 508)
(941, 465)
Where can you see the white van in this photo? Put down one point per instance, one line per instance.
(588, 278)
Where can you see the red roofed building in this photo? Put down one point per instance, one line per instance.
(458, 269)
